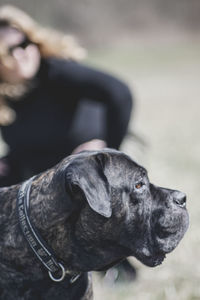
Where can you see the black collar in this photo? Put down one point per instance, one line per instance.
(35, 241)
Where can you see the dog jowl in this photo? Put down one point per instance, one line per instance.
(93, 210)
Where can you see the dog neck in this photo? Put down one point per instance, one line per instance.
(48, 213)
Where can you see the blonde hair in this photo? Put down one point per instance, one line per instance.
(50, 43)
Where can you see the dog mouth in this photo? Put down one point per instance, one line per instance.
(166, 238)
(152, 260)
(162, 241)
(156, 260)
(165, 232)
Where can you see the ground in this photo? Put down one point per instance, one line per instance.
(163, 74)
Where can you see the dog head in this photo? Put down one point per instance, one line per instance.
(118, 212)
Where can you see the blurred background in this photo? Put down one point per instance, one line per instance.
(155, 46)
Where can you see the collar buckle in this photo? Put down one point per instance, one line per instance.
(59, 278)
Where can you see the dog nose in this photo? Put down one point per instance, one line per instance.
(179, 198)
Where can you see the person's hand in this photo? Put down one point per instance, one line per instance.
(90, 145)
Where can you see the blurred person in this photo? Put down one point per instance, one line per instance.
(50, 104)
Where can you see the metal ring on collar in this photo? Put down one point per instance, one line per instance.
(61, 277)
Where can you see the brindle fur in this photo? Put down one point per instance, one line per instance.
(89, 211)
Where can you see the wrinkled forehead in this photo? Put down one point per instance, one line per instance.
(123, 169)
(10, 35)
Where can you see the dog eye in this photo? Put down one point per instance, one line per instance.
(139, 185)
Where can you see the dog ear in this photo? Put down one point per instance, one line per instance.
(87, 172)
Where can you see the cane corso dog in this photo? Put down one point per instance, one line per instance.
(91, 211)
